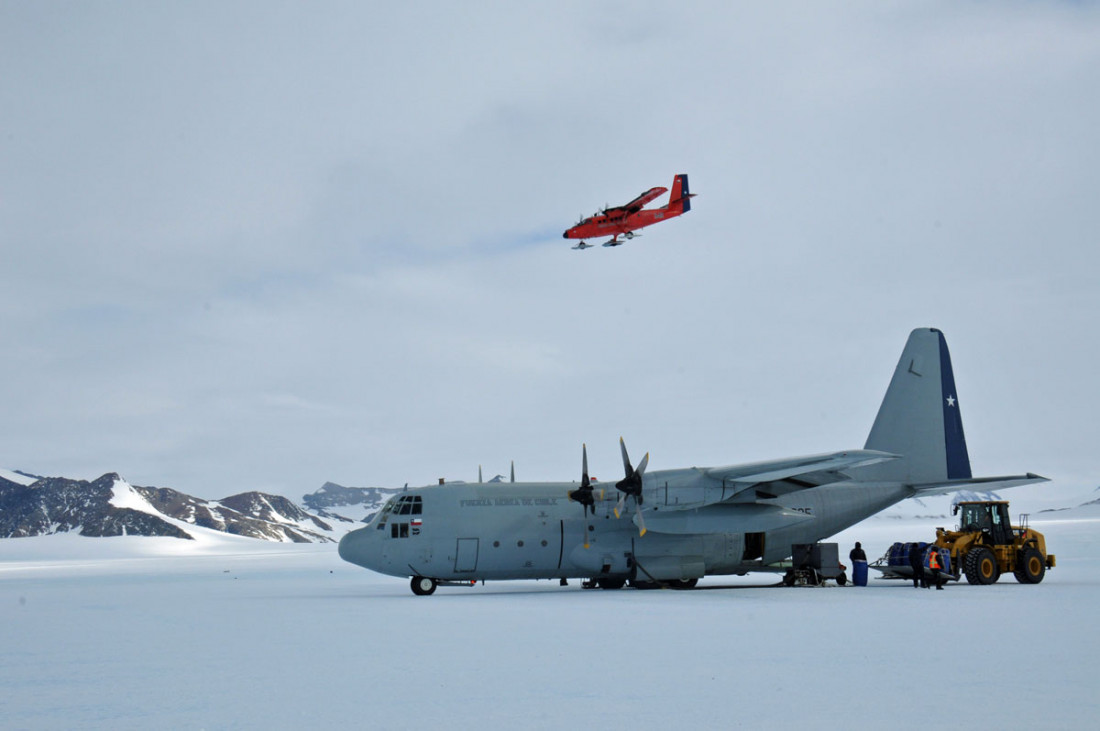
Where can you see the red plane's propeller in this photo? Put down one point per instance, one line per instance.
(632, 485)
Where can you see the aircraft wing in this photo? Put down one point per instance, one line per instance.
(745, 484)
(778, 477)
(638, 203)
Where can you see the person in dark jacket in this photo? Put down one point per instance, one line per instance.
(916, 561)
(859, 565)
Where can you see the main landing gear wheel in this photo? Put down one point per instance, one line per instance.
(423, 586)
(611, 583)
(683, 583)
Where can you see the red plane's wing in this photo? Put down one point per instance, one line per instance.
(638, 203)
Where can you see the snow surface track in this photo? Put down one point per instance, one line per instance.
(249, 635)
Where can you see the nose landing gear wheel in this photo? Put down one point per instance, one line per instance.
(422, 585)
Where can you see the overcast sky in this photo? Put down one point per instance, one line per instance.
(258, 246)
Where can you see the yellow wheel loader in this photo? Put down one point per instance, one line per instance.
(986, 545)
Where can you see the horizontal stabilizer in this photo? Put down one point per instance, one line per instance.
(985, 483)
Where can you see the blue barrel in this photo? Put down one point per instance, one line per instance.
(859, 573)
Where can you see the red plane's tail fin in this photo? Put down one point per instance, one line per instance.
(679, 201)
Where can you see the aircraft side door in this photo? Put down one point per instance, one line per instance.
(466, 555)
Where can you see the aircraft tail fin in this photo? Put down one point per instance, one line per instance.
(679, 201)
(920, 417)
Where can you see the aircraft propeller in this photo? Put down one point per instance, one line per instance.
(584, 494)
(632, 485)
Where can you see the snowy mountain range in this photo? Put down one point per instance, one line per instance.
(352, 503)
(31, 505)
(110, 506)
(358, 503)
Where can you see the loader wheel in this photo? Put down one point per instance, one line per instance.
(1030, 568)
(981, 566)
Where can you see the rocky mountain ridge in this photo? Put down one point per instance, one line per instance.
(362, 502)
(109, 506)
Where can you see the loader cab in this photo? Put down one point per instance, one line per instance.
(990, 518)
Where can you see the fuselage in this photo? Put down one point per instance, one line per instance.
(617, 224)
(534, 531)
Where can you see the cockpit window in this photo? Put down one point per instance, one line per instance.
(384, 513)
(403, 505)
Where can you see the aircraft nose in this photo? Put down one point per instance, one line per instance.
(353, 547)
(565, 235)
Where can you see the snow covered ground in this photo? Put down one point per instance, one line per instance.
(237, 633)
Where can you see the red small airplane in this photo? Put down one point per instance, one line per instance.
(625, 220)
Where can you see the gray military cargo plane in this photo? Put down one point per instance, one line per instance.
(682, 524)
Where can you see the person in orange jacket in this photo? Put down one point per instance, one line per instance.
(934, 566)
